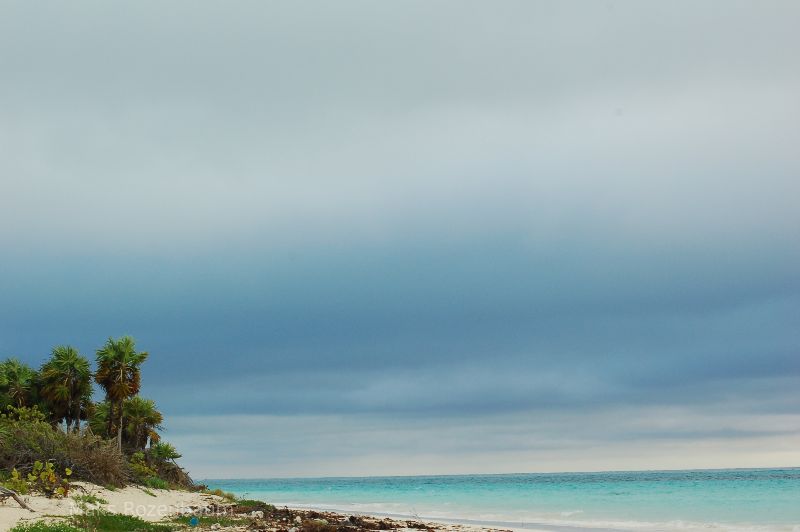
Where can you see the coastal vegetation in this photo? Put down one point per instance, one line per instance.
(95, 521)
(53, 430)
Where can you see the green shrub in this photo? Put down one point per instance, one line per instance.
(16, 482)
(102, 521)
(45, 527)
(144, 473)
(43, 478)
(46, 480)
(89, 499)
(139, 466)
(25, 437)
(250, 505)
(155, 482)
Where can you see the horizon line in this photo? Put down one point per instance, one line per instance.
(333, 477)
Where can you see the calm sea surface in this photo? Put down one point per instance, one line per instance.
(740, 499)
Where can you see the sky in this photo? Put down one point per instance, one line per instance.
(367, 238)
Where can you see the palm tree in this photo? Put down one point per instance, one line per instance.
(118, 373)
(162, 450)
(142, 420)
(98, 420)
(17, 382)
(66, 385)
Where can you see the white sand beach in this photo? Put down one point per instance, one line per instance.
(159, 505)
(130, 500)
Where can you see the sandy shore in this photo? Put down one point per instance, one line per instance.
(130, 500)
(215, 513)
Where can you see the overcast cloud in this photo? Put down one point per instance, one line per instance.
(413, 237)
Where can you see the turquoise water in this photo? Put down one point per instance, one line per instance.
(740, 499)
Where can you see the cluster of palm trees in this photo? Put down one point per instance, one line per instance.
(62, 388)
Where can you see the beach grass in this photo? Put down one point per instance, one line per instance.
(45, 527)
(252, 504)
(108, 522)
(89, 499)
(230, 497)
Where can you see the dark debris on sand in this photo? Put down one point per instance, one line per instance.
(262, 517)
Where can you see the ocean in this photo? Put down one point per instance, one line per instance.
(731, 499)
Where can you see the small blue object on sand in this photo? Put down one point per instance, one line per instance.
(194, 521)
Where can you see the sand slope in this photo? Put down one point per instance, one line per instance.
(130, 500)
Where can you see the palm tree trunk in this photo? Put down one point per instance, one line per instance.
(77, 417)
(68, 417)
(119, 428)
(110, 418)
